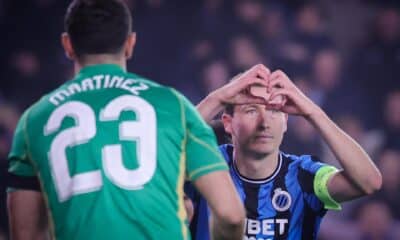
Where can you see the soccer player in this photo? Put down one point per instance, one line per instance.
(285, 196)
(106, 153)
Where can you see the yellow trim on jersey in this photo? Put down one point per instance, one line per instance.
(45, 197)
(201, 142)
(195, 172)
(321, 187)
(182, 215)
(183, 116)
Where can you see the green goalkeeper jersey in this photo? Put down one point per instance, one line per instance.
(111, 151)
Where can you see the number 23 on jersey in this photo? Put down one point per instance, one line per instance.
(142, 131)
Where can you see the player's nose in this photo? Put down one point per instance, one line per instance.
(265, 119)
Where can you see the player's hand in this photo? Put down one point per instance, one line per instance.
(295, 101)
(189, 207)
(236, 91)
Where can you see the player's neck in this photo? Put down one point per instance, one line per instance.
(89, 60)
(253, 168)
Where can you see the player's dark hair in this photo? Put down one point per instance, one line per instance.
(98, 26)
(219, 131)
(229, 109)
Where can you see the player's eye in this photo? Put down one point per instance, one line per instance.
(251, 111)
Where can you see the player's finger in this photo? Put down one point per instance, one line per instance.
(242, 85)
(255, 70)
(266, 69)
(273, 106)
(242, 78)
(281, 91)
(252, 72)
(277, 73)
(249, 99)
(258, 81)
(264, 72)
(273, 78)
(237, 76)
(277, 82)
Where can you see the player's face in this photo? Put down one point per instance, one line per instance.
(255, 129)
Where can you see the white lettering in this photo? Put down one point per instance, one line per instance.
(74, 88)
(97, 82)
(268, 227)
(281, 223)
(116, 81)
(58, 96)
(126, 83)
(106, 81)
(87, 84)
(141, 87)
(98, 79)
(253, 226)
(254, 238)
(265, 227)
(249, 238)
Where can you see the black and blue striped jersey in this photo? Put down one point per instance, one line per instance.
(282, 206)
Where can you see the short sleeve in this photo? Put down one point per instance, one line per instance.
(313, 177)
(21, 173)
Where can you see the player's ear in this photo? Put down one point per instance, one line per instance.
(285, 123)
(227, 121)
(130, 45)
(67, 45)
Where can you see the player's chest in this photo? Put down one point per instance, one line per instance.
(271, 208)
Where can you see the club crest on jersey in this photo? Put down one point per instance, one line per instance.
(281, 200)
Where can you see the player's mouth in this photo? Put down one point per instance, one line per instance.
(264, 137)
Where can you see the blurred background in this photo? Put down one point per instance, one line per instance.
(344, 54)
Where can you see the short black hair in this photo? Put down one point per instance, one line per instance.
(219, 131)
(98, 26)
(229, 109)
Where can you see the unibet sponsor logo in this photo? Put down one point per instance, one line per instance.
(264, 227)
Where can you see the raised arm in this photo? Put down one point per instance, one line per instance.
(359, 176)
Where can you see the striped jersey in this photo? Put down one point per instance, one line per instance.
(282, 206)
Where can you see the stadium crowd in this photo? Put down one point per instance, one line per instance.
(344, 54)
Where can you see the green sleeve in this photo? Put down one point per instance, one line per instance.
(19, 162)
(321, 179)
(202, 154)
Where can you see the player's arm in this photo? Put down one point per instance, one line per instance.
(232, 93)
(207, 169)
(26, 208)
(227, 219)
(359, 176)
(27, 215)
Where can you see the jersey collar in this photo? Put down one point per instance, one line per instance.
(258, 181)
(92, 69)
